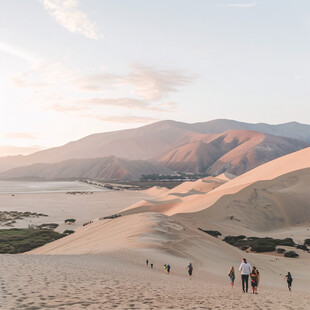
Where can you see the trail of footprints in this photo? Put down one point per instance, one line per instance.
(73, 283)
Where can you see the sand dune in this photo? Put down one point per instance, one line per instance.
(194, 203)
(156, 191)
(122, 281)
(263, 207)
(161, 238)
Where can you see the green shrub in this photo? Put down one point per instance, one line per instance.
(263, 248)
(48, 226)
(213, 233)
(257, 244)
(70, 221)
(307, 242)
(19, 240)
(233, 239)
(292, 254)
(68, 232)
(280, 250)
(302, 247)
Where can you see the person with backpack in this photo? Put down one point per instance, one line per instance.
(289, 280)
(190, 270)
(254, 280)
(245, 269)
(168, 269)
(231, 275)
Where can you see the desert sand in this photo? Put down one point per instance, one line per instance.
(121, 281)
(194, 203)
(116, 276)
(86, 204)
(102, 265)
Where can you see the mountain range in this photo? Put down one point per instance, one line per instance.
(210, 147)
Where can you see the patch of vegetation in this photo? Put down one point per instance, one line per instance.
(280, 250)
(213, 233)
(19, 240)
(179, 176)
(68, 232)
(111, 216)
(8, 218)
(257, 244)
(81, 193)
(302, 247)
(70, 221)
(307, 242)
(48, 226)
(292, 254)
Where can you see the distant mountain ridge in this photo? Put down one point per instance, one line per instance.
(158, 140)
(234, 151)
(107, 168)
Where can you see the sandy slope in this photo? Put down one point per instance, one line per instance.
(280, 166)
(160, 235)
(113, 282)
(263, 206)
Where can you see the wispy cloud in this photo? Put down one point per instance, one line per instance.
(70, 16)
(129, 103)
(19, 135)
(151, 84)
(148, 83)
(242, 5)
(42, 75)
(67, 108)
(129, 119)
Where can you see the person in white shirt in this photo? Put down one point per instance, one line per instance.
(245, 269)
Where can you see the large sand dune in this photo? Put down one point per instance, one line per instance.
(283, 165)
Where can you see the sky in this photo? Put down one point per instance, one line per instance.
(71, 68)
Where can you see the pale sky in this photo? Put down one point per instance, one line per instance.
(70, 68)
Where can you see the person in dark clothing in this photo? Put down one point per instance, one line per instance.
(190, 270)
(147, 262)
(289, 280)
(151, 265)
(168, 268)
(254, 280)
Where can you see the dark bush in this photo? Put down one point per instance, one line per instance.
(280, 250)
(19, 240)
(68, 232)
(48, 226)
(213, 233)
(233, 239)
(307, 242)
(263, 248)
(257, 244)
(302, 247)
(291, 254)
(70, 221)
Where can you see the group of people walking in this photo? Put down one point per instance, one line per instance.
(252, 273)
(247, 272)
(167, 268)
